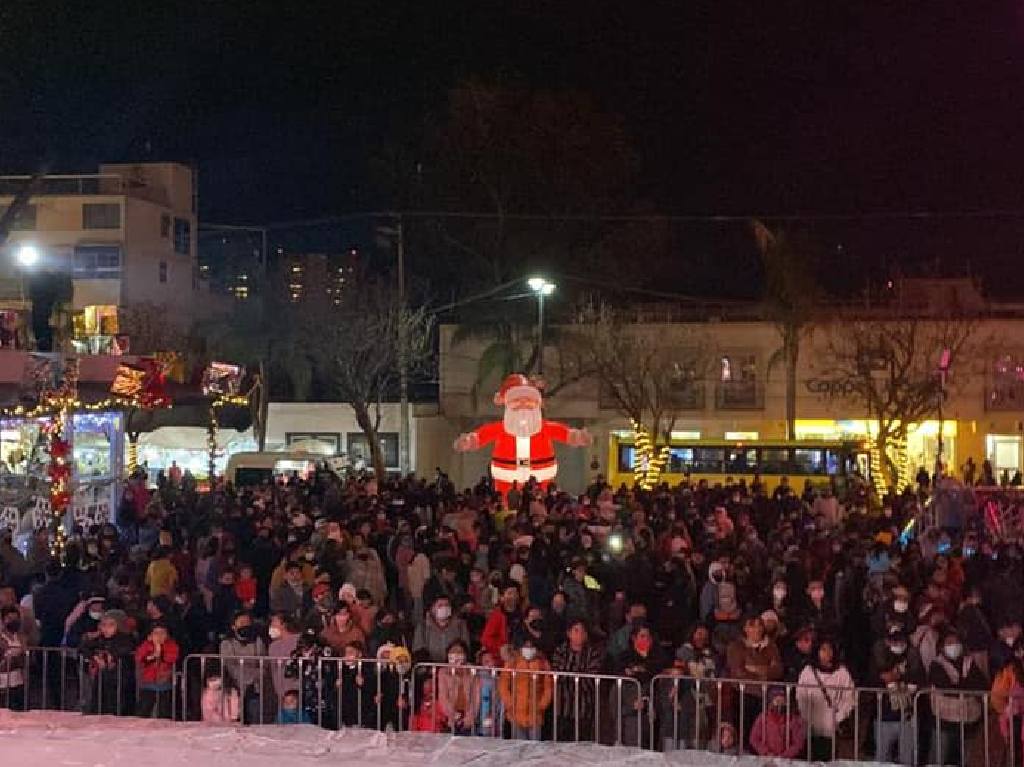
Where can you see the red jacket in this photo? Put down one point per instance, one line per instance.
(495, 633)
(158, 671)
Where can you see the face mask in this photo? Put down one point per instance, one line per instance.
(93, 550)
(529, 653)
(779, 594)
(246, 633)
(901, 605)
(95, 614)
(309, 556)
(13, 626)
(717, 577)
(1009, 641)
(897, 649)
(274, 632)
(456, 659)
(817, 595)
(443, 613)
(952, 651)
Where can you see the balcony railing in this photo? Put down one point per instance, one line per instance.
(739, 395)
(106, 183)
(1004, 397)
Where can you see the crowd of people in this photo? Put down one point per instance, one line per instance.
(344, 584)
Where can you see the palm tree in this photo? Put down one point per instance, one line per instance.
(791, 298)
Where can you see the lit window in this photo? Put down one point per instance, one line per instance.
(726, 369)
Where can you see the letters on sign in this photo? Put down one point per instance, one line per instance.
(830, 387)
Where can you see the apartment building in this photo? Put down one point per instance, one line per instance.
(125, 235)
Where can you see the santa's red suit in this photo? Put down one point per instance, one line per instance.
(521, 458)
(517, 459)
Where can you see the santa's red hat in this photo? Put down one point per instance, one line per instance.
(517, 385)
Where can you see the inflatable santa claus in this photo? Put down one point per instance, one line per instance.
(523, 441)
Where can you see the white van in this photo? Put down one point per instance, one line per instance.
(247, 469)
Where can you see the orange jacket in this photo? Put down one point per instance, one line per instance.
(530, 696)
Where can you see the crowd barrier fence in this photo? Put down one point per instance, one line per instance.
(911, 725)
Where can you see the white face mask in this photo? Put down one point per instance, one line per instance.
(779, 594)
(443, 612)
(274, 632)
(456, 659)
(529, 653)
(952, 651)
(900, 605)
(95, 614)
(897, 649)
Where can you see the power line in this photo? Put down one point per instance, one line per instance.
(908, 215)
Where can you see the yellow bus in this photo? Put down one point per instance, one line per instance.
(719, 460)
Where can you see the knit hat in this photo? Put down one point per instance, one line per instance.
(120, 617)
(347, 593)
(401, 656)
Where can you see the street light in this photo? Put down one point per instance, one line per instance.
(542, 288)
(27, 254)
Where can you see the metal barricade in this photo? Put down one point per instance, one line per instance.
(527, 704)
(41, 678)
(955, 727)
(331, 692)
(689, 712)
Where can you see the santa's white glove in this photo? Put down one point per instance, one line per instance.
(580, 438)
(467, 442)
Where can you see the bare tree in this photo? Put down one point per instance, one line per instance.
(891, 366)
(353, 344)
(649, 378)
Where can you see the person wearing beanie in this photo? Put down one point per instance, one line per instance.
(779, 730)
(110, 672)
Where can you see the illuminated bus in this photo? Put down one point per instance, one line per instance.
(717, 460)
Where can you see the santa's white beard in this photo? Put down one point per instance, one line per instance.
(522, 423)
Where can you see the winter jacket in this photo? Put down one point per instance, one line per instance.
(449, 687)
(530, 695)
(248, 672)
(741, 654)
(156, 673)
(498, 630)
(825, 698)
(773, 731)
(368, 574)
(417, 574)
(336, 638)
(964, 675)
(1004, 682)
(588, 661)
(433, 639)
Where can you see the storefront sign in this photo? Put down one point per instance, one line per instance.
(830, 388)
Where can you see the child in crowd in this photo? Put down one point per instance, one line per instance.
(290, 712)
(221, 704)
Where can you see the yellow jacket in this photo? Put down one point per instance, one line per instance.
(526, 700)
(1001, 687)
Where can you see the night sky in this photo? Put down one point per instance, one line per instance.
(735, 107)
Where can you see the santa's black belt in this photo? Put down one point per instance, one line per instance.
(513, 462)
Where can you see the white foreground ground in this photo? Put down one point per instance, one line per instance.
(52, 739)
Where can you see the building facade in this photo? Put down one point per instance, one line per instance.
(125, 235)
(736, 394)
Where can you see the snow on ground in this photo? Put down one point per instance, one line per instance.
(56, 739)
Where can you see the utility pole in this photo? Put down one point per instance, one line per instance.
(404, 436)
